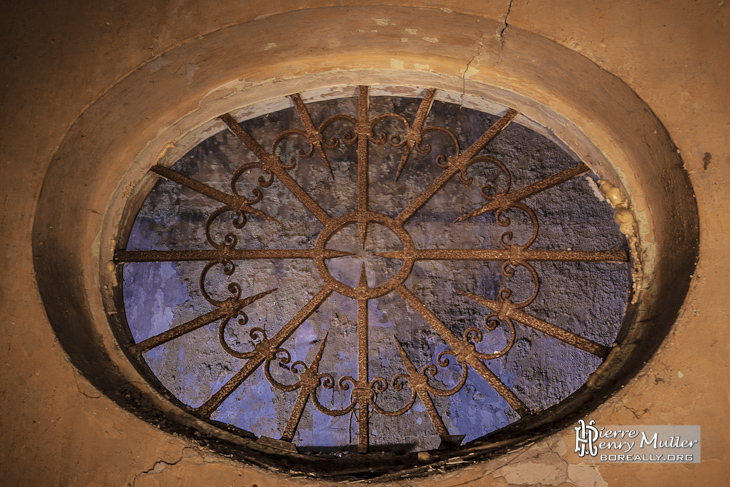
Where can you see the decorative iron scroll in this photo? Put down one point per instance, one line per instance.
(308, 379)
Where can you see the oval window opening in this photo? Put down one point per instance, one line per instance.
(373, 275)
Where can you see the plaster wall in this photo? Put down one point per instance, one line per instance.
(58, 58)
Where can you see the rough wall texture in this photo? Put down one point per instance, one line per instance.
(59, 57)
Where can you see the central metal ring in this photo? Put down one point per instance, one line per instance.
(363, 218)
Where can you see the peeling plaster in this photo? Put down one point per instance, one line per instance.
(628, 226)
(540, 464)
(158, 64)
(190, 69)
(397, 63)
(584, 475)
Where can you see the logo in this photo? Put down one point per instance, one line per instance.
(642, 444)
(585, 438)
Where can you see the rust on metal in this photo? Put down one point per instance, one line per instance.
(228, 309)
(223, 254)
(314, 136)
(272, 164)
(419, 383)
(506, 310)
(365, 390)
(363, 135)
(237, 203)
(362, 364)
(512, 254)
(457, 163)
(414, 135)
(463, 351)
(504, 201)
(308, 381)
(262, 351)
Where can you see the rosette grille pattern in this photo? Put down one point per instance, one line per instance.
(357, 215)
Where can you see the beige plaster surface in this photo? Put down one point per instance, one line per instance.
(59, 57)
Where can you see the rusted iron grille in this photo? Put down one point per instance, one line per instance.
(365, 389)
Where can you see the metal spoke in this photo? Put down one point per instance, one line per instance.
(273, 164)
(362, 368)
(463, 351)
(228, 310)
(513, 254)
(314, 136)
(506, 310)
(418, 382)
(262, 351)
(504, 201)
(221, 254)
(363, 138)
(309, 381)
(457, 163)
(238, 203)
(414, 135)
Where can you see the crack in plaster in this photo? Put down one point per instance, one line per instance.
(158, 467)
(620, 404)
(75, 374)
(637, 414)
(477, 54)
(502, 31)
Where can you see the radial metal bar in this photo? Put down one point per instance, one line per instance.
(235, 202)
(507, 310)
(487, 137)
(272, 163)
(296, 414)
(363, 427)
(414, 135)
(458, 347)
(517, 254)
(262, 352)
(504, 201)
(228, 310)
(221, 255)
(309, 381)
(457, 163)
(314, 136)
(363, 138)
(418, 382)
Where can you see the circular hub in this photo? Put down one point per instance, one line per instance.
(371, 278)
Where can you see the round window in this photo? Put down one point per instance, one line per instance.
(374, 275)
